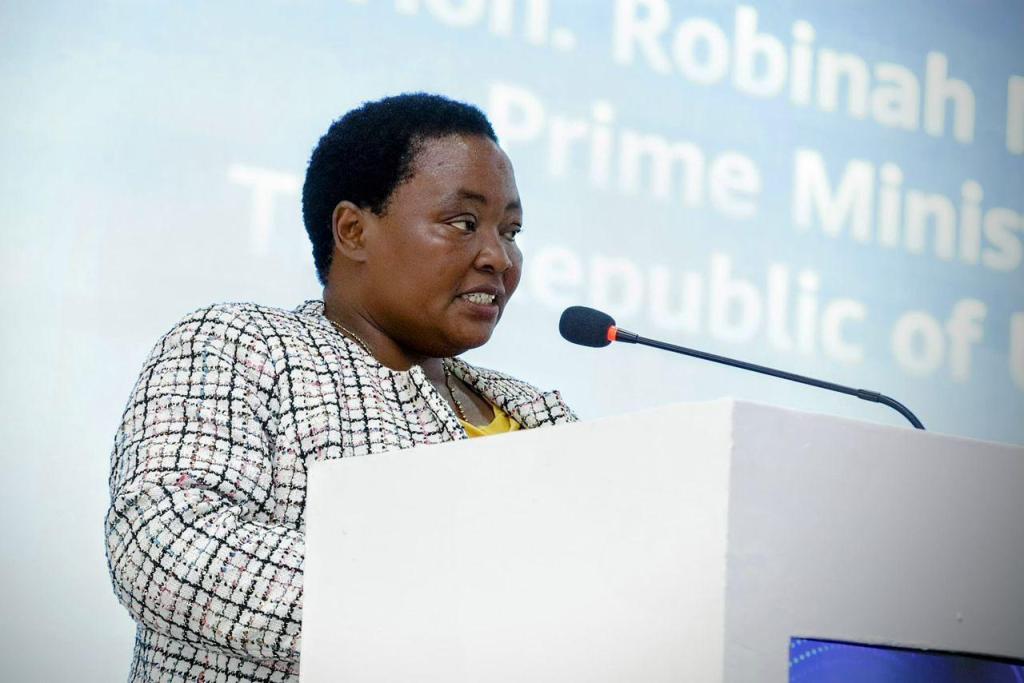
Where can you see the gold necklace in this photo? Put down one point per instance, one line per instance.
(448, 383)
(351, 335)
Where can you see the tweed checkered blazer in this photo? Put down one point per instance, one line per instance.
(208, 477)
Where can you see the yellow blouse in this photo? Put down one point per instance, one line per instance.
(499, 425)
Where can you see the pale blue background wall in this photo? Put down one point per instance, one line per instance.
(152, 154)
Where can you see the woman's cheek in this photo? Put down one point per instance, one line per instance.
(513, 274)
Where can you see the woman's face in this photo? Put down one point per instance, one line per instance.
(442, 261)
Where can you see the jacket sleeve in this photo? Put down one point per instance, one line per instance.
(192, 545)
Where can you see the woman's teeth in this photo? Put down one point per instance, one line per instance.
(479, 298)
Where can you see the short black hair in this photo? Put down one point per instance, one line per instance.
(369, 151)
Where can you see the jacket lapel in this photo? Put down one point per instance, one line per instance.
(524, 404)
(438, 405)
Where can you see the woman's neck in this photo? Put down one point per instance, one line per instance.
(362, 329)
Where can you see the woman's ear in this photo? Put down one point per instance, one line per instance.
(348, 223)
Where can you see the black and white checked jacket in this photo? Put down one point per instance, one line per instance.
(208, 477)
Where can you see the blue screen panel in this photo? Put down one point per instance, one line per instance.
(824, 661)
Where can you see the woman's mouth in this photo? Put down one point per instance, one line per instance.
(478, 298)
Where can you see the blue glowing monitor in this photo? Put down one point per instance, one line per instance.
(825, 661)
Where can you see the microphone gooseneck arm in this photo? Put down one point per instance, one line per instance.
(620, 335)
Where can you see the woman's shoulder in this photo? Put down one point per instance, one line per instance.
(234, 319)
(254, 328)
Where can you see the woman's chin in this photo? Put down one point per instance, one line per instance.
(472, 337)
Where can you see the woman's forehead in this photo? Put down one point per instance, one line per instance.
(457, 152)
(471, 168)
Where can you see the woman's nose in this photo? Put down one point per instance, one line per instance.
(494, 252)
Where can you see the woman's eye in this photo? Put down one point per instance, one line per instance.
(512, 234)
(464, 224)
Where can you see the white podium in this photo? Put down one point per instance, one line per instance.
(689, 543)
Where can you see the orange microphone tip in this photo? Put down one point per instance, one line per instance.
(612, 332)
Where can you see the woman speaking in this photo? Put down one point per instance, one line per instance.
(413, 213)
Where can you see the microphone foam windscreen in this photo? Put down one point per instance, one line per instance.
(586, 326)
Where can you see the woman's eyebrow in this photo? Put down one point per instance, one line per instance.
(471, 196)
(477, 197)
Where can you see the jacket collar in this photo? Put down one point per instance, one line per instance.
(522, 403)
(527, 406)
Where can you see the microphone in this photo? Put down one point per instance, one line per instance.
(590, 327)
